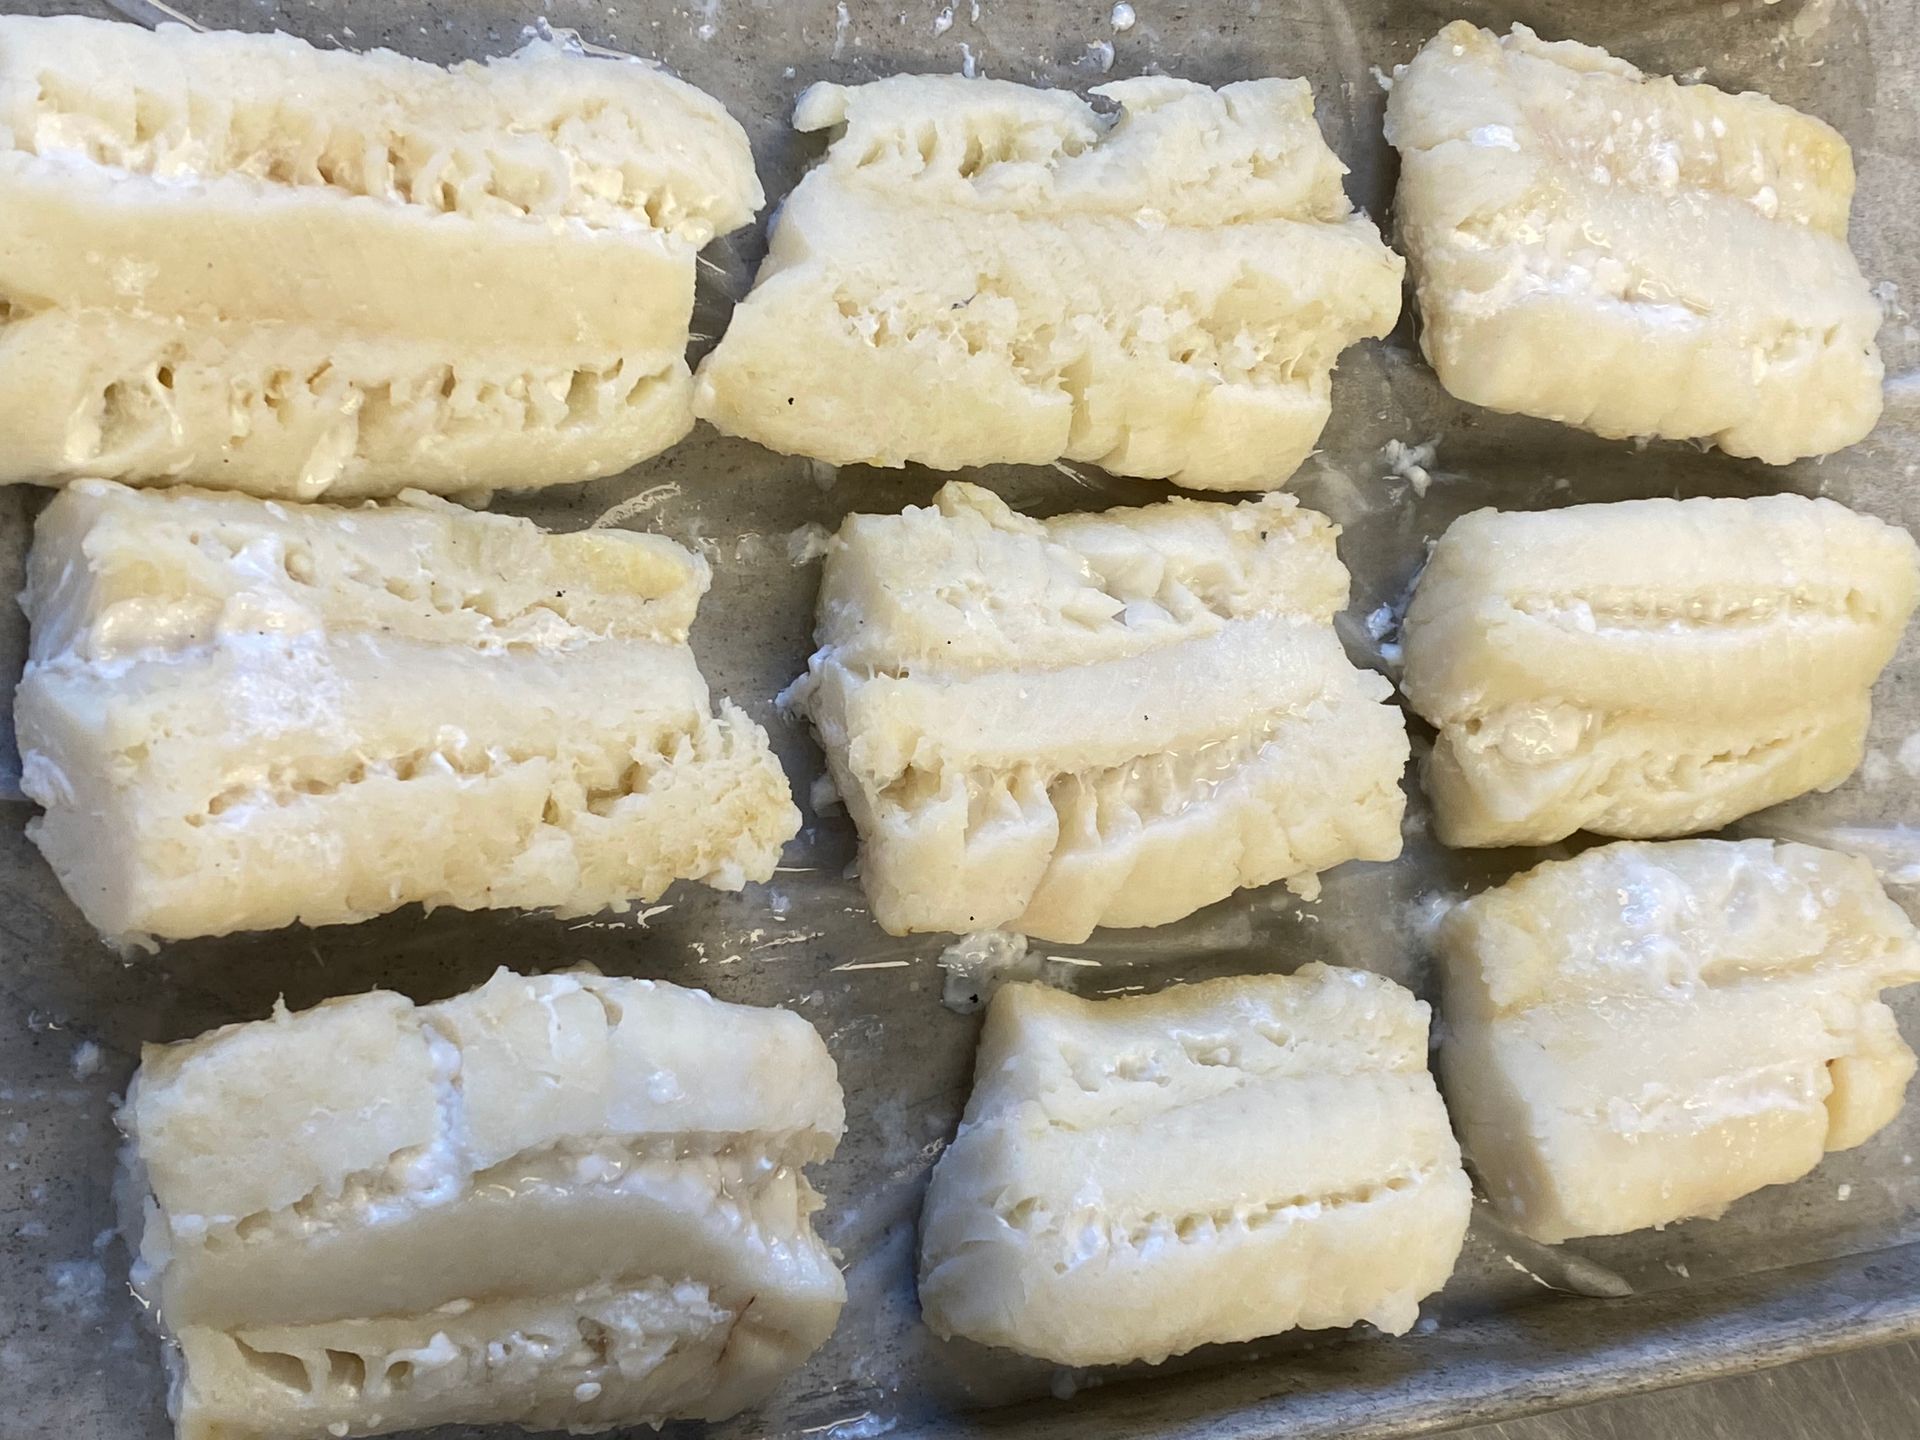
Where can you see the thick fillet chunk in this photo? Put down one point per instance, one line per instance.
(238, 260)
(1136, 1177)
(1650, 667)
(980, 271)
(1628, 254)
(239, 714)
(1099, 719)
(1650, 1031)
(562, 1201)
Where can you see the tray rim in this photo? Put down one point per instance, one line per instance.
(1488, 1369)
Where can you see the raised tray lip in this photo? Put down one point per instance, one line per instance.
(1557, 1352)
(1554, 1352)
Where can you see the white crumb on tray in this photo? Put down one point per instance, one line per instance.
(1887, 293)
(823, 475)
(79, 1288)
(809, 543)
(649, 499)
(1411, 463)
(823, 795)
(978, 964)
(1909, 754)
(1526, 1272)
(1427, 911)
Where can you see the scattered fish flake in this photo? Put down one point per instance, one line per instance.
(647, 500)
(1426, 913)
(781, 941)
(809, 543)
(1909, 754)
(822, 474)
(1411, 463)
(1526, 1272)
(977, 964)
(79, 1287)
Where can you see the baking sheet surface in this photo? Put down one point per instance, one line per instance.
(74, 1361)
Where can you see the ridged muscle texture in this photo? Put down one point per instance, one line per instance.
(1651, 667)
(980, 271)
(1103, 719)
(562, 1201)
(239, 714)
(1650, 1031)
(1628, 254)
(1219, 1161)
(241, 261)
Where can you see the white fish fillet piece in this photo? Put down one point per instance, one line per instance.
(238, 260)
(563, 1201)
(1651, 667)
(980, 271)
(1136, 1177)
(1631, 255)
(239, 714)
(1100, 719)
(1650, 1031)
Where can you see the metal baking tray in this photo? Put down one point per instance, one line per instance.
(1831, 1262)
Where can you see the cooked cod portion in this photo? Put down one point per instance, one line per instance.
(981, 271)
(241, 261)
(1630, 255)
(565, 1201)
(1100, 719)
(1650, 1031)
(1137, 1177)
(239, 714)
(1650, 667)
